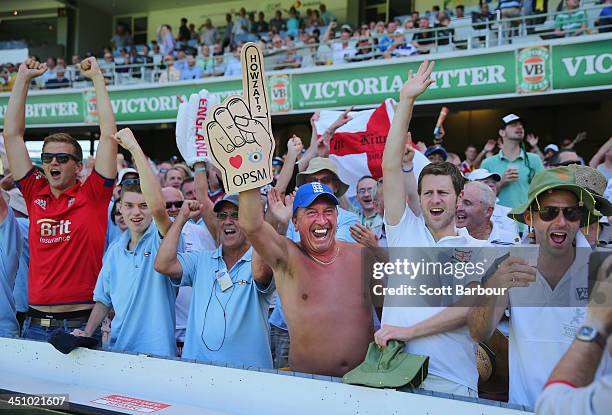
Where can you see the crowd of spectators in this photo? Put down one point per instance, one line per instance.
(292, 39)
(127, 231)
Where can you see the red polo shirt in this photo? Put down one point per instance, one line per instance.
(66, 238)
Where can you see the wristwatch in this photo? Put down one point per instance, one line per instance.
(590, 334)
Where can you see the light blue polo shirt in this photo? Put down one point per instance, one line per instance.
(21, 281)
(112, 231)
(143, 299)
(515, 193)
(228, 326)
(11, 243)
(346, 219)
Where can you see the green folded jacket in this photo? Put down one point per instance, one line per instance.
(389, 367)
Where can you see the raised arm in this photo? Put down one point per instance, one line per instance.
(329, 32)
(410, 181)
(149, 183)
(106, 156)
(14, 118)
(311, 151)
(166, 261)
(201, 191)
(489, 146)
(294, 147)
(600, 156)
(265, 240)
(393, 184)
(278, 215)
(532, 139)
(486, 315)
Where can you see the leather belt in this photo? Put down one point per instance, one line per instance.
(51, 322)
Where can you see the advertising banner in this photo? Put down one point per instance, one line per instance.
(475, 75)
(582, 65)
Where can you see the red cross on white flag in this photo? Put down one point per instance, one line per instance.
(357, 147)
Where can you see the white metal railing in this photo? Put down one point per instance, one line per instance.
(461, 34)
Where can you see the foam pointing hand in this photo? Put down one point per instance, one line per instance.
(239, 131)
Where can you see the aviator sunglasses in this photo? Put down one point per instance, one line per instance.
(225, 215)
(549, 213)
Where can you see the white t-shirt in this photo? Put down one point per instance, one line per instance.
(452, 355)
(502, 236)
(196, 237)
(503, 222)
(560, 399)
(540, 335)
(340, 54)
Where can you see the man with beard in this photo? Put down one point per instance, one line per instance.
(515, 165)
(68, 219)
(474, 210)
(228, 315)
(546, 301)
(427, 220)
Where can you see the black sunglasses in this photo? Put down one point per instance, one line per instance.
(130, 182)
(571, 213)
(225, 215)
(61, 158)
(177, 204)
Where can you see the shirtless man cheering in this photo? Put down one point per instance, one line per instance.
(327, 308)
(319, 280)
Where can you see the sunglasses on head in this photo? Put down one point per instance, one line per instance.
(61, 158)
(130, 182)
(177, 204)
(225, 215)
(571, 213)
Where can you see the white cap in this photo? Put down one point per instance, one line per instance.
(481, 174)
(510, 118)
(552, 147)
(15, 200)
(125, 171)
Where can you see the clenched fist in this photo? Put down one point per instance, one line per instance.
(89, 67)
(31, 69)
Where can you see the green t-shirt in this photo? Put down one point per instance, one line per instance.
(571, 21)
(515, 193)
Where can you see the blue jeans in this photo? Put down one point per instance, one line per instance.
(279, 342)
(38, 332)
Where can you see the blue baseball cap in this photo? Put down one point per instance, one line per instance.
(436, 149)
(309, 192)
(231, 198)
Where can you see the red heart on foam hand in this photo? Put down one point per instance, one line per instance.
(236, 161)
